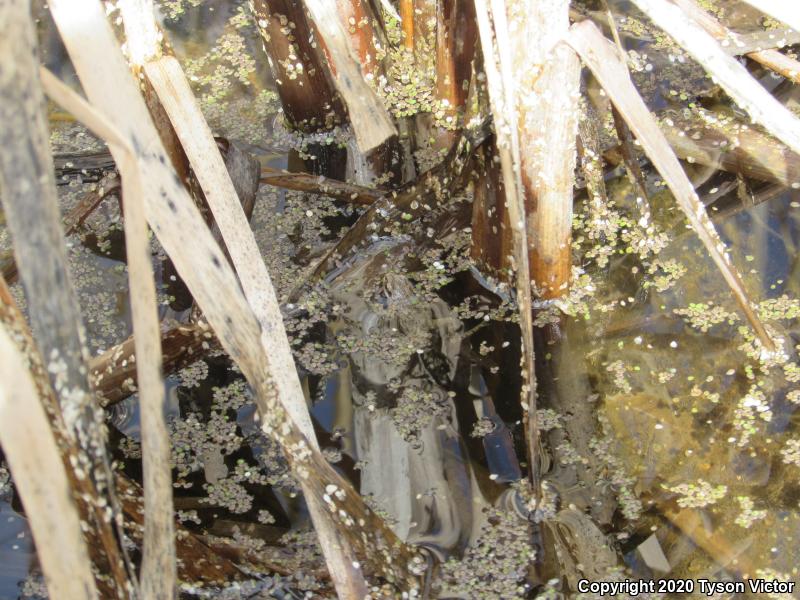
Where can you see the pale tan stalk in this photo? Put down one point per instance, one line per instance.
(158, 578)
(172, 87)
(35, 462)
(770, 58)
(31, 210)
(504, 112)
(731, 76)
(603, 58)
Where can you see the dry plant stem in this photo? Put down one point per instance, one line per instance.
(179, 226)
(35, 462)
(176, 96)
(547, 123)
(113, 372)
(158, 573)
(317, 184)
(608, 66)
(742, 149)
(172, 88)
(781, 10)
(31, 209)
(369, 118)
(731, 76)
(100, 537)
(503, 105)
(772, 59)
(407, 23)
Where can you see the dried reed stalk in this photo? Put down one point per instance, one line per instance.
(35, 462)
(782, 10)
(369, 118)
(158, 578)
(503, 103)
(113, 372)
(547, 74)
(603, 58)
(198, 562)
(31, 209)
(182, 232)
(731, 76)
(172, 87)
(772, 59)
(407, 23)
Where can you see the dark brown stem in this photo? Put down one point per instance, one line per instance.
(296, 58)
(318, 184)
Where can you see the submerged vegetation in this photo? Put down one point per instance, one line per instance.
(398, 298)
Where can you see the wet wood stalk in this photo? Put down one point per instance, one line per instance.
(493, 32)
(307, 94)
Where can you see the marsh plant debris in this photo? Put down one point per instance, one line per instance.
(399, 299)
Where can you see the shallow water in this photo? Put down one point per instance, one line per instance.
(667, 450)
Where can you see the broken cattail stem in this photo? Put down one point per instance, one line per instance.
(317, 184)
(158, 572)
(35, 463)
(32, 212)
(731, 76)
(307, 94)
(780, 63)
(547, 123)
(369, 118)
(603, 58)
